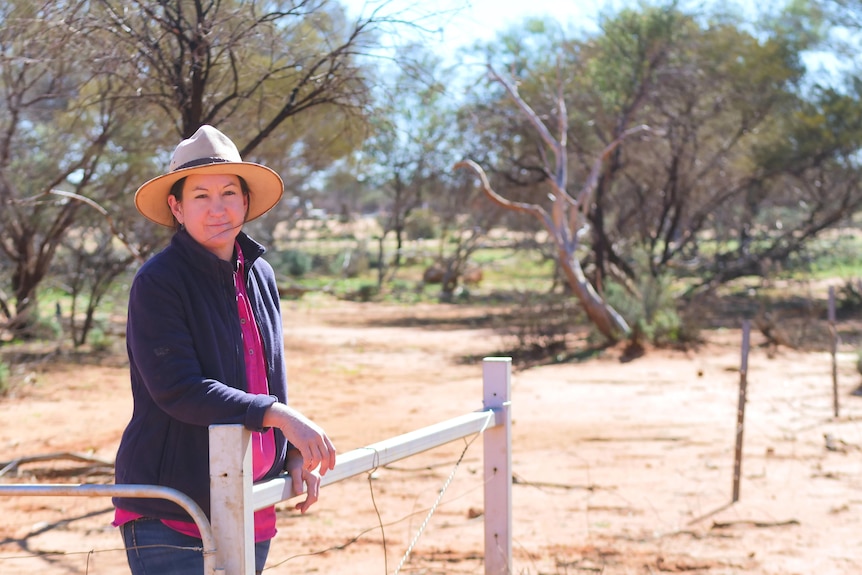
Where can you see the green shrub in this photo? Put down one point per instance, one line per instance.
(421, 225)
(850, 296)
(46, 328)
(98, 339)
(325, 264)
(364, 293)
(653, 316)
(5, 378)
(353, 263)
(292, 262)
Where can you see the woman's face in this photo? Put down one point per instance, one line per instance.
(212, 210)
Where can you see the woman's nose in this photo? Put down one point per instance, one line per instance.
(217, 205)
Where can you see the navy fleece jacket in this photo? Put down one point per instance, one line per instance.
(187, 368)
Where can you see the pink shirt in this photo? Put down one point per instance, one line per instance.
(262, 444)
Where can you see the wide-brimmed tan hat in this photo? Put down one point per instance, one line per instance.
(209, 151)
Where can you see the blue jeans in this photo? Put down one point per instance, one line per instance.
(153, 548)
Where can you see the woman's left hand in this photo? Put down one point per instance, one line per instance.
(300, 476)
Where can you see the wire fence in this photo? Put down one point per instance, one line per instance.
(227, 544)
(96, 547)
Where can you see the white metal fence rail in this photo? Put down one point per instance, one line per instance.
(228, 538)
(129, 490)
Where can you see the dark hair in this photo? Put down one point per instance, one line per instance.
(177, 192)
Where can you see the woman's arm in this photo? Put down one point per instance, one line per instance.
(305, 435)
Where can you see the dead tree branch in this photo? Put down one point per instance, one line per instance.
(13, 465)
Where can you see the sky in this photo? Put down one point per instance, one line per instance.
(462, 22)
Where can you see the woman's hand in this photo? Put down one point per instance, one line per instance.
(299, 476)
(311, 441)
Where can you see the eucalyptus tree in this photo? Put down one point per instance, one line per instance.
(284, 78)
(729, 158)
(563, 214)
(108, 237)
(246, 64)
(57, 116)
(729, 114)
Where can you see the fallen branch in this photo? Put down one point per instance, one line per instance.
(726, 524)
(519, 481)
(13, 465)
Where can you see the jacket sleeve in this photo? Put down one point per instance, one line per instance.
(162, 349)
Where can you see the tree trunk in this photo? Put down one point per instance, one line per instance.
(381, 262)
(399, 245)
(26, 308)
(609, 323)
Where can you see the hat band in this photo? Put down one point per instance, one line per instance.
(202, 162)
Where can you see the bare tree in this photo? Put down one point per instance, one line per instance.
(464, 228)
(55, 121)
(249, 64)
(566, 220)
(71, 71)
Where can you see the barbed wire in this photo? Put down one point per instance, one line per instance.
(439, 497)
(381, 525)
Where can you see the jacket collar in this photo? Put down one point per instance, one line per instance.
(201, 259)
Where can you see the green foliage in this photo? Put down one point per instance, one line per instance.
(403, 291)
(5, 378)
(630, 44)
(653, 313)
(849, 296)
(353, 262)
(99, 339)
(508, 269)
(422, 225)
(294, 263)
(829, 122)
(829, 257)
(736, 146)
(365, 293)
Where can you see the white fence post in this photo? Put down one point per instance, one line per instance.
(231, 505)
(497, 377)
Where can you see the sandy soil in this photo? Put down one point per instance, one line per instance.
(619, 467)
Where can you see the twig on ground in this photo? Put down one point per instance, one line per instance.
(725, 524)
(518, 481)
(13, 465)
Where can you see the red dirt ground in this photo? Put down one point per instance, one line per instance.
(619, 467)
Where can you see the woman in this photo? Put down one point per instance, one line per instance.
(205, 345)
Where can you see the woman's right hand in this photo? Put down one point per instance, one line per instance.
(308, 437)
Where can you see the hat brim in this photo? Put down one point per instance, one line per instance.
(265, 189)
